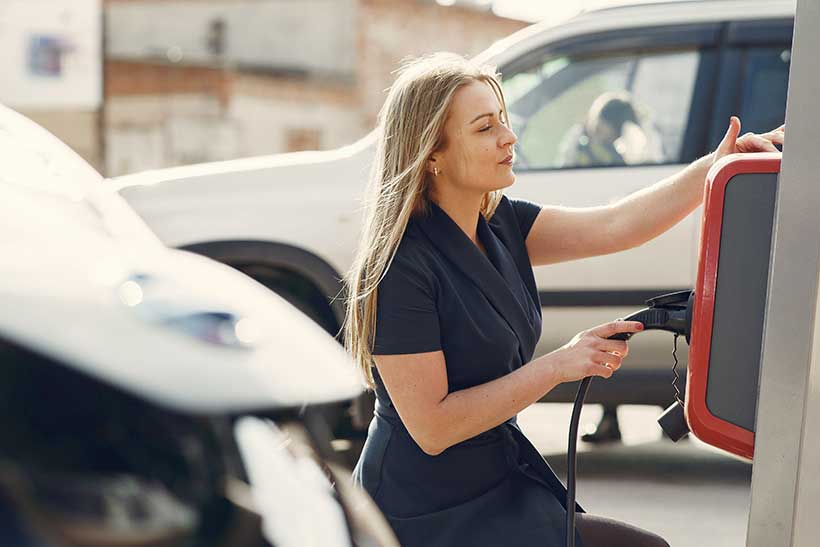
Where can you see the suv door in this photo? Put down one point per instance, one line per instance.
(661, 81)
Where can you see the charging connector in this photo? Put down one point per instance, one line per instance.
(669, 312)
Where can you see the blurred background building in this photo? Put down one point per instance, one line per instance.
(51, 54)
(141, 84)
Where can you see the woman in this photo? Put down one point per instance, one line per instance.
(443, 301)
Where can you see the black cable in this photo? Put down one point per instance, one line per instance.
(675, 376)
(571, 457)
(672, 319)
(647, 317)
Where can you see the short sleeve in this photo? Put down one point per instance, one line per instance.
(406, 313)
(525, 213)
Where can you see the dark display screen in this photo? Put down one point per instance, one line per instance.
(740, 298)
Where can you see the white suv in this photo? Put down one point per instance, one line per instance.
(676, 70)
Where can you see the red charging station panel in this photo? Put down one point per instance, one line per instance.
(730, 300)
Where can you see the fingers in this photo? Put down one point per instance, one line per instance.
(751, 142)
(607, 359)
(727, 145)
(608, 329)
(766, 144)
(598, 363)
(599, 370)
(763, 142)
(616, 346)
(775, 136)
(781, 129)
(600, 355)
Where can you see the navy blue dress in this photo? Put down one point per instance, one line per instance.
(442, 293)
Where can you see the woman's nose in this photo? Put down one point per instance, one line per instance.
(508, 138)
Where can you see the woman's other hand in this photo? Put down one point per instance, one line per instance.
(750, 142)
(591, 353)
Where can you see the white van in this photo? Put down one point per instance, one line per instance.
(676, 70)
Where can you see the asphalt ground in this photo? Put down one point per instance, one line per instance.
(687, 492)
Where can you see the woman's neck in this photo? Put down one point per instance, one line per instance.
(464, 211)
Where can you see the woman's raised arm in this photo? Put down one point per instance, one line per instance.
(561, 234)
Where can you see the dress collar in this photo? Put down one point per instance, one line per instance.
(494, 274)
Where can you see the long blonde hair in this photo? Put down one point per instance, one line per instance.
(410, 125)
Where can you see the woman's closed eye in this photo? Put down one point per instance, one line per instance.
(489, 126)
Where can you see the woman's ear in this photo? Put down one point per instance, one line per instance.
(432, 166)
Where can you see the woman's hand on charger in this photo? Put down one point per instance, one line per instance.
(750, 142)
(590, 353)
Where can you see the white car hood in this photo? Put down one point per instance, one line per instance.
(85, 282)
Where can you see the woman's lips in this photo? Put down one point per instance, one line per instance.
(507, 160)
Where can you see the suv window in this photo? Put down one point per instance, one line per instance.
(763, 92)
(613, 110)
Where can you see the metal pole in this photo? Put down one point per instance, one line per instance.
(786, 470)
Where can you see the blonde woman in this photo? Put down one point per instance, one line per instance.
(443, 301)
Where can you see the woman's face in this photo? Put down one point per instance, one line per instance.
(477, 143)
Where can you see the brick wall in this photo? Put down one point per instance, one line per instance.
(129, 78)
(163, 114)
(393, 29)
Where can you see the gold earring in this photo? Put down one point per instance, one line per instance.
(435, 171)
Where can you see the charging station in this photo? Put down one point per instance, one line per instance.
(754, 372)
(753, 384)
(730, 301)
